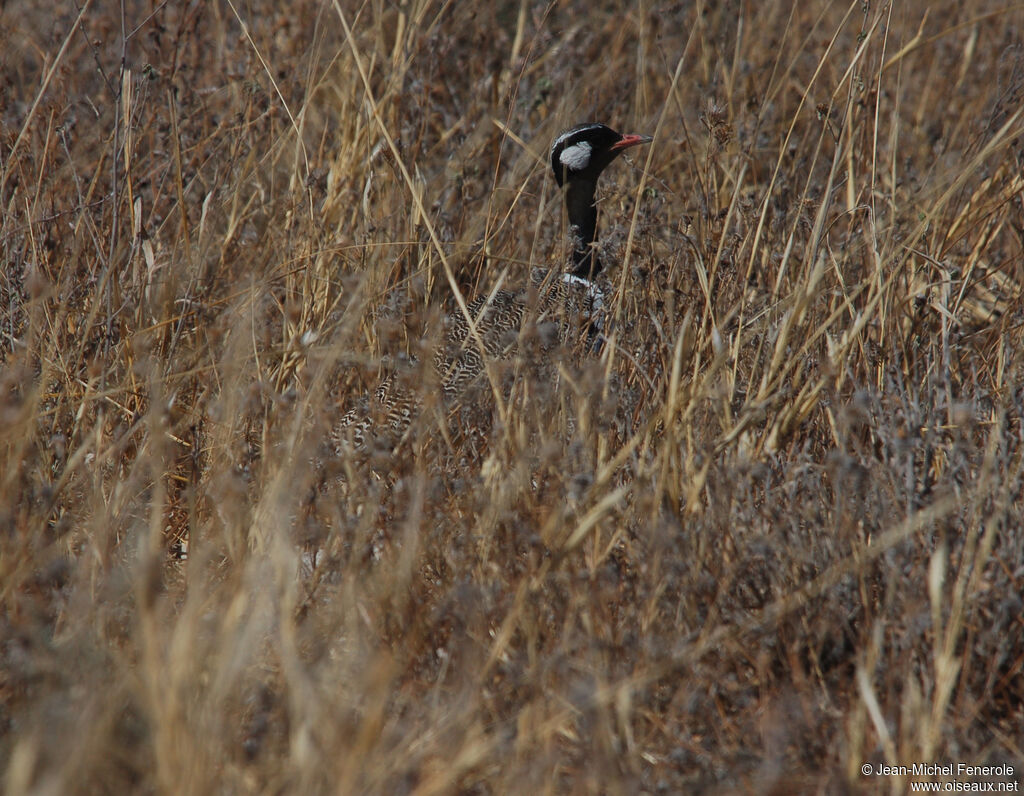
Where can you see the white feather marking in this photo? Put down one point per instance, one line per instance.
(572, 279)
(576, 157)
(593, 292)
(575, 131)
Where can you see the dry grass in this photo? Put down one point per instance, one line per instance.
(771, 533)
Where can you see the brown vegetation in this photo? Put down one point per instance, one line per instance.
(770, 533)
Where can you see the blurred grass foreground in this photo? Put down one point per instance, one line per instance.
(771, 532)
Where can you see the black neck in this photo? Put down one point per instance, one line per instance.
(579, 203)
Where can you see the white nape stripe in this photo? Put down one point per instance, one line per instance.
(576, 157)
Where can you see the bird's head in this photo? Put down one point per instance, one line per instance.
(584, 151)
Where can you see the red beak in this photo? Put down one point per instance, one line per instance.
(631, 140)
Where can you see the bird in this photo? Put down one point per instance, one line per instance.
(571, 299)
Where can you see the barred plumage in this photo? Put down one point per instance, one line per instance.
(571, 303)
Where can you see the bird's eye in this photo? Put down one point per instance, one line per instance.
(576, 157)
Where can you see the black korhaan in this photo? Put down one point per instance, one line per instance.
(578, 156)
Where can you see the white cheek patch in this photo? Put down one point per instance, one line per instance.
(576, 157)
